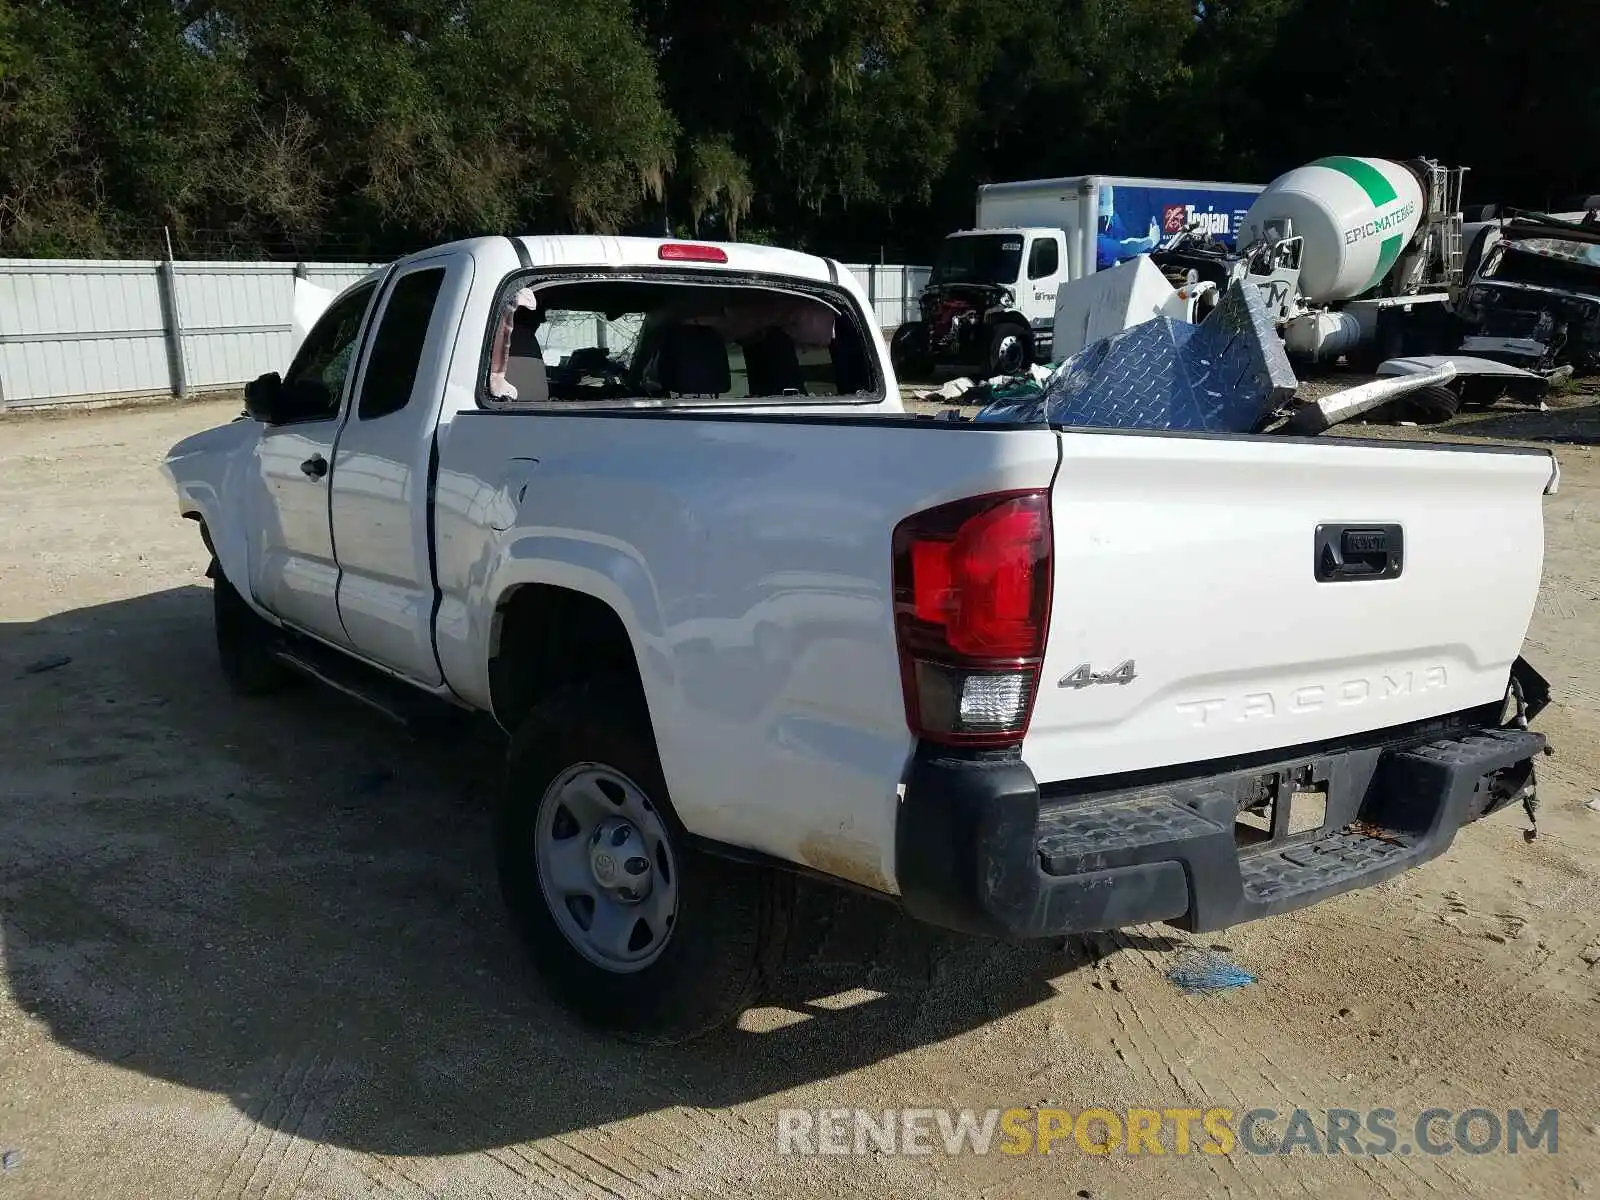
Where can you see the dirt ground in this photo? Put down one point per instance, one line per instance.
(254, 949)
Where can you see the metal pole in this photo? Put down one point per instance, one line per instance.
(171, 322)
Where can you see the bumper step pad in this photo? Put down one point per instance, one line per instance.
(1070, 836)
(1318, 866)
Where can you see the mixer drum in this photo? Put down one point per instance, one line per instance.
(1355, 214)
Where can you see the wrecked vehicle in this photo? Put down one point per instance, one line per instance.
(745, 617)
(969, 309)
(1535, 300)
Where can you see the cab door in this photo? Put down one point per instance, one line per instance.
(383, 470)
(1045, 274)
(294, 574)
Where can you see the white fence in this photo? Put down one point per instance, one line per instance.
(87, 329)
(893, 289)
(74, 330)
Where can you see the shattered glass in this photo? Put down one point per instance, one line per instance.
(1228, 374)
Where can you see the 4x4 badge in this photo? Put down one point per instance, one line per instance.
(1083, 675)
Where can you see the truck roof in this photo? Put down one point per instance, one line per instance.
(583, 250)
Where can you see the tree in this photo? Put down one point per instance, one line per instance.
(375, 126)
(445, 118)
(287, 124)
(109, 128)
(838, 110)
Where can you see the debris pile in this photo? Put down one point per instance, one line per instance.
(1228, 374)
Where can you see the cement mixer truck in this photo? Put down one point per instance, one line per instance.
(1358, 257)
(1380, 254)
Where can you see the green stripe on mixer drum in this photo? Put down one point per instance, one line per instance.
(1371, 180)
(1387, 253)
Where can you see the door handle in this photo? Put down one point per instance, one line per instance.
(315, 467)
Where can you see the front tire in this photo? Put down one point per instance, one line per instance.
(909, 352)
(244, 642)
(632, 929)
(1010, 349)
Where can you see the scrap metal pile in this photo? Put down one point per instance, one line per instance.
(1228, 374)
(1535, 298)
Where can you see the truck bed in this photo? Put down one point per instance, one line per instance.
(750, 552)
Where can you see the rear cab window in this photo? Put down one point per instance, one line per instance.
(397, 346)
(675, 338)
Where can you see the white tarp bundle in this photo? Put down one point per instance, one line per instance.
(310, 301)
(1110, 301)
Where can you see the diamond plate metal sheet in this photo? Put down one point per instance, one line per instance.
(1225, 375)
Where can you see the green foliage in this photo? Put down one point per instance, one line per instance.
(719, 179)
(854, 126)
(287, 124)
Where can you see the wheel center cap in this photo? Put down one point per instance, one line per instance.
(619, 860)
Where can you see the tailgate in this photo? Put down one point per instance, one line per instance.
(1220, 596)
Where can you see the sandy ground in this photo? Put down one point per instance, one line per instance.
(253, 949)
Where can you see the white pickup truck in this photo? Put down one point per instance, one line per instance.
(656, 507)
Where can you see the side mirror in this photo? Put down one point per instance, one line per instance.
(263, 398)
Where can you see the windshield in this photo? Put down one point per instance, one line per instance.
(993, 259)
(1561, 248)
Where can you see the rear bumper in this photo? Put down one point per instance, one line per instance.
(979, 850)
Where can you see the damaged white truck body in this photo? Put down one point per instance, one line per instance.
(742, 616)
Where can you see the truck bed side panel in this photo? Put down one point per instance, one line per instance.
(750, 562)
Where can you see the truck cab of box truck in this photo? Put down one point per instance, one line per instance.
(989, 304)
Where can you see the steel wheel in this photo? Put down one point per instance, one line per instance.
(691, 944)
(606, 867)
(1008, 349)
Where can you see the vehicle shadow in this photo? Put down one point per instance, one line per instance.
(1568, 424)
(288, 902)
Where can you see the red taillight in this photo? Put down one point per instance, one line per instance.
(691, 252)
(972, 607)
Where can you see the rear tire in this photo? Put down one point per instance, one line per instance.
(244, 642)
(582, 774)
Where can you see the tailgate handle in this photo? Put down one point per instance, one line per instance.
(1346, 551)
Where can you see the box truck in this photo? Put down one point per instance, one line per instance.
(990, 303)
